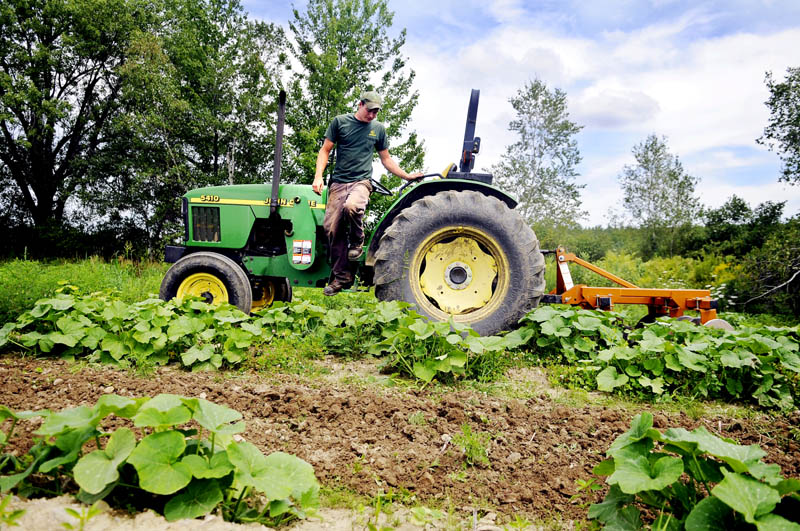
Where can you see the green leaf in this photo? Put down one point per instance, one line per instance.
(197, 353)
(120, 406)
(738, 457)
(788, 486)
(641, 428)
(115, 346)
(774, 522)
(155, 459)
(587, 324)
(94, 471)
(73, 418)
(290, 476)
(219, 466)
(745, 495)
(656, 385)
(608, 379)
(423, 372)
(278, 476)
(198, 499)
(652, 344)
(611, 504)
(422, 329)
(214, 417)
(162, 410)
(691, 360)
(70, 443)
(556, 326)
(636, 475)
(711, 514)
(737, 358)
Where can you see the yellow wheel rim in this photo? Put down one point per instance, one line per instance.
(263, 296)
(204, 285)
(459, 271)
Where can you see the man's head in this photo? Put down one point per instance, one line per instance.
(369, 105)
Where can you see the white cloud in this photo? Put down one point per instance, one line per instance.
(614, 108)
(704, 94)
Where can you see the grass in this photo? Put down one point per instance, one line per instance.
(23, 282)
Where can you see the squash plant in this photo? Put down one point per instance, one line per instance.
(184, 461)
(692, 480)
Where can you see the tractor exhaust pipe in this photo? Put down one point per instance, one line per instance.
(276, 166)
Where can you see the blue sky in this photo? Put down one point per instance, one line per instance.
(690, 71)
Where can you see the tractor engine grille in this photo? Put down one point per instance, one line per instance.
(205, 224)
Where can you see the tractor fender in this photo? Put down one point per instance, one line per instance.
(424, 189)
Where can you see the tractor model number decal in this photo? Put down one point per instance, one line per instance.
(209, 199)
(301, 252)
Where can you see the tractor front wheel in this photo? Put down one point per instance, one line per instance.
(461, 254)
(212, 276)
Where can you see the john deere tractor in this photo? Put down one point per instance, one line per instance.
(450, 244)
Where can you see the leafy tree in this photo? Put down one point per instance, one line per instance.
(659, 196)
(540, 166)
(782, 133)
(342, 48)
(59, 89)
(736, 229)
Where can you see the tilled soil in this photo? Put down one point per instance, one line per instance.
(371, 438)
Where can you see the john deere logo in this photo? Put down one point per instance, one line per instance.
(372, 132)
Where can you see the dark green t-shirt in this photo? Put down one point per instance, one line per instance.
(355, 142)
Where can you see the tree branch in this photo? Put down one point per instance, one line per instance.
(773, 289)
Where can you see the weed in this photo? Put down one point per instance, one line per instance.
(475, 446)
(83, 517)
(7, 517)
(417, 419)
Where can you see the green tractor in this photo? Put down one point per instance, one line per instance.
(450, 244)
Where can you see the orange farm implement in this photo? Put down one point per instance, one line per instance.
(660, 302)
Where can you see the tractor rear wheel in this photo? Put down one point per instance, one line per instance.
(212, 276)
(465, 255)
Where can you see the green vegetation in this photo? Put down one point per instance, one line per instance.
(23, 282)
(587, 349)
(474, 445)
(692, 480)
(669, 357)
(184, 462)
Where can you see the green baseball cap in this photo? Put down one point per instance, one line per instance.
(371, 99)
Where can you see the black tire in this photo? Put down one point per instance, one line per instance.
(212, 276)
(482, 246)
(267, 290)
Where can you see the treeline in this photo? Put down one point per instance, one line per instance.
(111, 110)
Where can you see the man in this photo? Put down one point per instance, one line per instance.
(355, 137)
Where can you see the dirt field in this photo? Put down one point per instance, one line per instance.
(366, 437)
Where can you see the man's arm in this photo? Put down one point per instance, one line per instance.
(322, 162)
(389, 163)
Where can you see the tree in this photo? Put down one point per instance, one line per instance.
(782, 133)
(659, 196)
(343, 48)
(736, 229)
(540, 166)
(59, 89)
